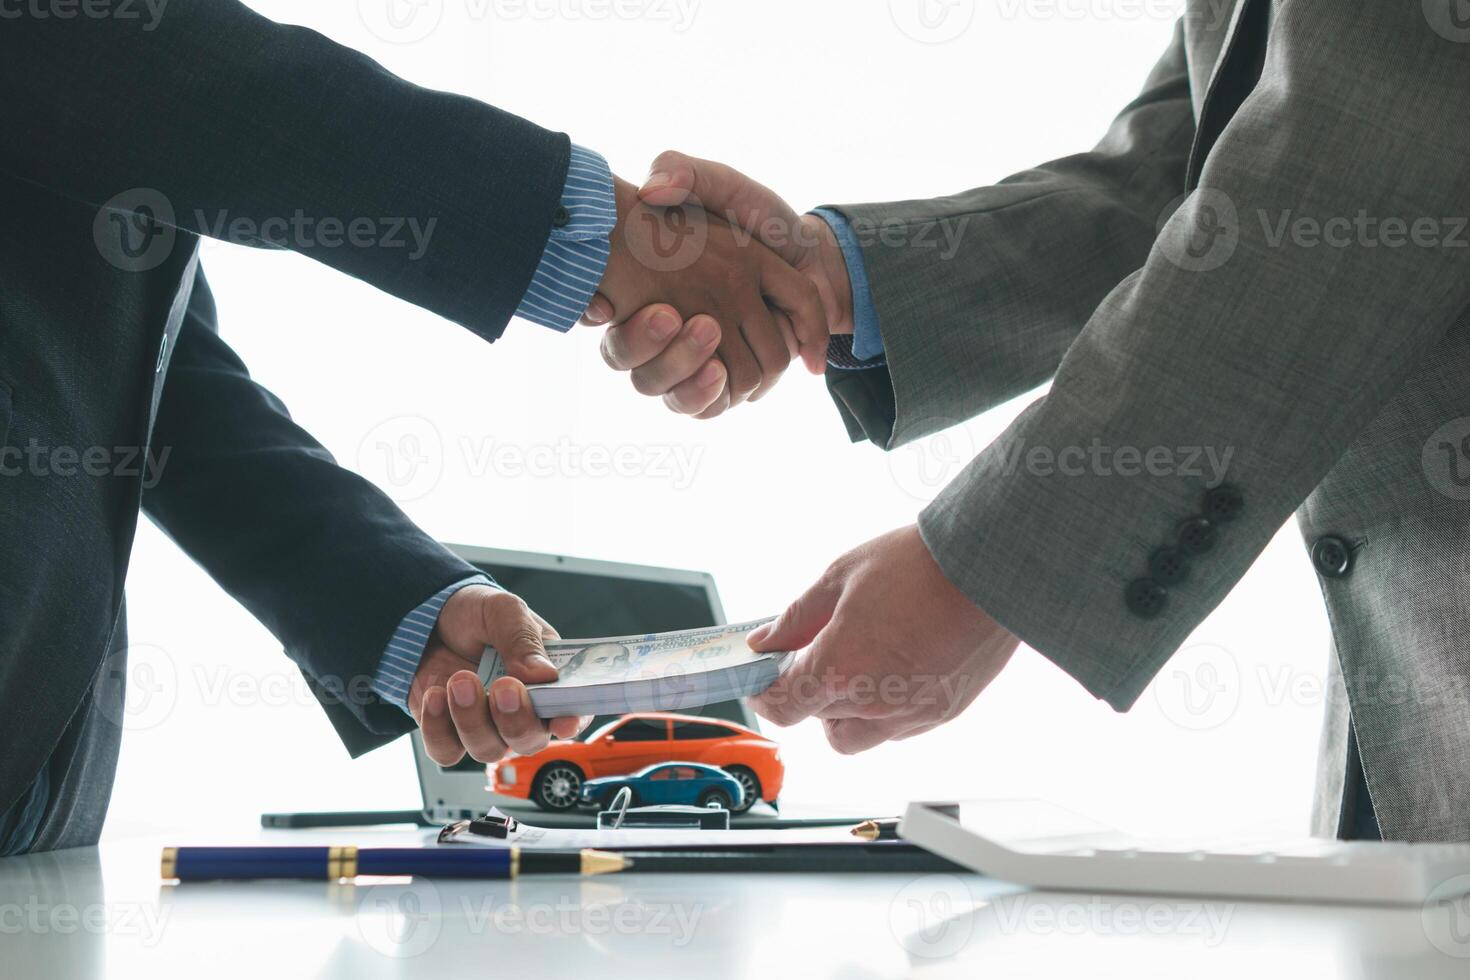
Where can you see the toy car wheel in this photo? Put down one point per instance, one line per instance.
(715, 796)
(751, 785)
(558, 786)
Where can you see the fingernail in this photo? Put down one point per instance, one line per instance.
(597, 312)
(465, 691)
(704, 333)
(663, 325)
(433, 704)
(758, 634)
(507, 698)
(708, 375)
(657, 179)
(538, 662)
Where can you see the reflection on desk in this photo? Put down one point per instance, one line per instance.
(90, 913)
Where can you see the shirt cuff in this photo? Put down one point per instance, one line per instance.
(866, 349)
(401, 660)
(575, 257)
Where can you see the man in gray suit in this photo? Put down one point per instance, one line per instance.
(1301, 315)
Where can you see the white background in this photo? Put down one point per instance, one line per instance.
(825, 102)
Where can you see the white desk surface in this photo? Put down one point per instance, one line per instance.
(103, 912)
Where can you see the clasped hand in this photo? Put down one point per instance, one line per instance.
(714, 285)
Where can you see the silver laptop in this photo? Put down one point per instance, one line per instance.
(580, 597)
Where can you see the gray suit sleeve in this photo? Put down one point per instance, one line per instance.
(1246, 335)
(978, 295)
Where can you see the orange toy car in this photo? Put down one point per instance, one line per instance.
(552, 778)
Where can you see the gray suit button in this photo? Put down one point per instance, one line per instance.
(1224, 503)
(1196, 536)
(1146, 598)
(1332, 557)
(1168, 566)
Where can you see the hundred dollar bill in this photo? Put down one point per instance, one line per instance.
(673, 671)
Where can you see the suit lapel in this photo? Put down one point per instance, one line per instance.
(1236, 72)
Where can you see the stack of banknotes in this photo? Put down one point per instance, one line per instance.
(676, 671)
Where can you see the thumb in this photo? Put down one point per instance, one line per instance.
(676, 178)
(478, 616)
(599, 311)
(802, 620)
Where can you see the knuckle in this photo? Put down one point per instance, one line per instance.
(669, 158)
(529, 742)
(488, 752)
(444, 754)
(837, 572)
(779, 710)
(503, 604)
(809, 297)
(744, 378)
(646, 383)
(612, 355)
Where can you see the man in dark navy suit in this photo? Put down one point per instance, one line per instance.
(127, 140)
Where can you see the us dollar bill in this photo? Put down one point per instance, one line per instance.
(649, 671)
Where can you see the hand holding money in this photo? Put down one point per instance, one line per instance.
(455, 712)
(676, 671)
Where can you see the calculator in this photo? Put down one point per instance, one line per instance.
(1042, 845)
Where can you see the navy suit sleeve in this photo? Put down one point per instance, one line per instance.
(318, 554)
(230, 125)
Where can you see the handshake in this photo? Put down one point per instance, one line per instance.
(714, 285)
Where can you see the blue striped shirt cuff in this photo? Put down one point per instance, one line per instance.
(867, 343)
(575, 257)
(401, 660)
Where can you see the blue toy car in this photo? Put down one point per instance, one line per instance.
(676, 783)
